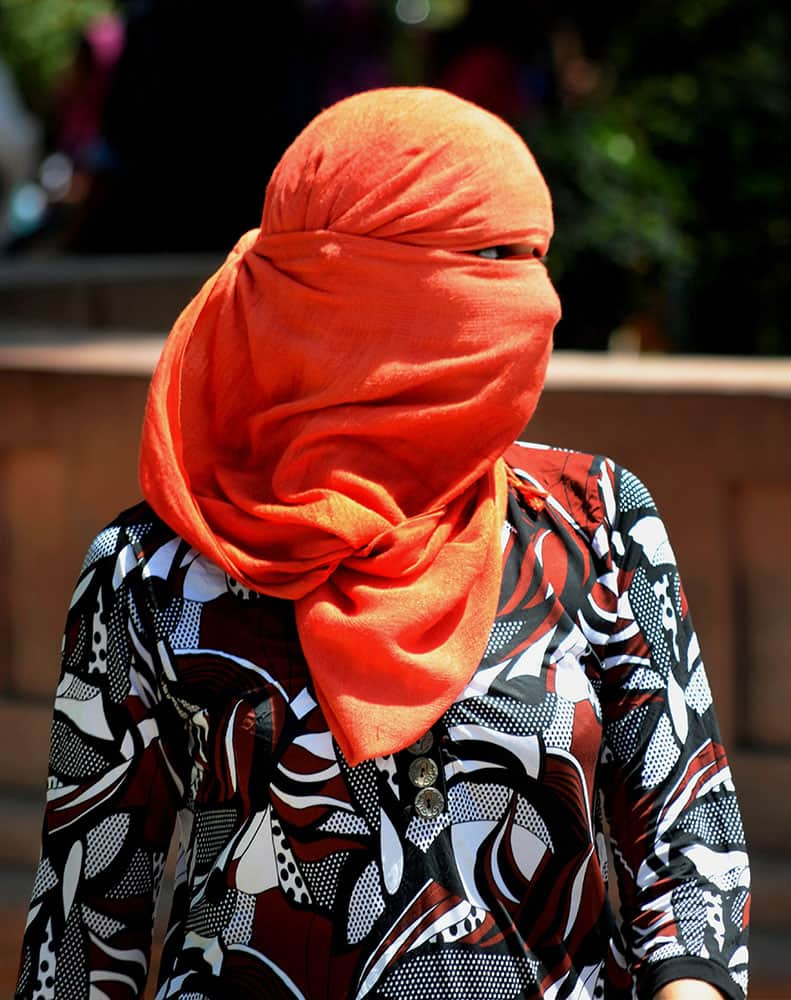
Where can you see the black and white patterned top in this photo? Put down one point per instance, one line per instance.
(472, 866)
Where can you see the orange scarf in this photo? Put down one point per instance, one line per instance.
(327, 420)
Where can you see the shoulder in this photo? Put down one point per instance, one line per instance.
(134, 535)
(600, 500)
(579, 484)
(590, 487)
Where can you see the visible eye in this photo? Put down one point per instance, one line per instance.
(493, 253)
(505, 250)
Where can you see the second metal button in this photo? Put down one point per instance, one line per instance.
(423, 772)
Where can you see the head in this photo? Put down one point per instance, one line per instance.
(415, 166)
(383, 336)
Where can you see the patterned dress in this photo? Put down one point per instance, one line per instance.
(471, 866)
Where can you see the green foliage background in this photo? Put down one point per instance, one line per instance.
(37, 41)
(673, 179)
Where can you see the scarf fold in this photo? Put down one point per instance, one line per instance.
(329, 413)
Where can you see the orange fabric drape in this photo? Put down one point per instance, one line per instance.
(327, 418)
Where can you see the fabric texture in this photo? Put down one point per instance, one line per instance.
(328, 417)
(300, 876)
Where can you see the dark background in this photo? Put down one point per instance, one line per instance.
(662, 128)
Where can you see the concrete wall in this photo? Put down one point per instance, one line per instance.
(710, 438)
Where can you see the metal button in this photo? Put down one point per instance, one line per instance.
(423, 772)
(429, 802)
(426, 742)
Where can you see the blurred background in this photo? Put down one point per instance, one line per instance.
(136, 141)
(147, 126)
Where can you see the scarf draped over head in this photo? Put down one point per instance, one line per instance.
(328, 417)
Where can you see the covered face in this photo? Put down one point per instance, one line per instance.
(327, 419)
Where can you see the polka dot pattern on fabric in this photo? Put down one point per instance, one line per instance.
(105, 544)
(72, 978)
(503, 634)
(346, 824)
(186, 634)
(210, 917)
(698, 692)
(662, 754)
(290, 877)
(527, 816)
(688, 904)
(45, 880)
(471, 803)
(104, 842)
(118, 652)
(728, 880)
(365, 905)
(559, 732)
(670, 950)
(45, 970)
(137, 532)
(423, 832)
(632, 494)
(70, 756)
(136, 880)
(454, 974)
(647, 612)
(102, 925)
(213, 828)
(322, 877)
(708, 821)
(80, 690)
(167, 618)
(624, 736)
(644, 679)
(506, 715)
(24, 971)
(738, 907)
(466, 925)
(134, 616)
(363, 783)
(239, 928)
(74, 658)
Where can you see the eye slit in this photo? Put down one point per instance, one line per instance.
(499, 252)
(505, 250)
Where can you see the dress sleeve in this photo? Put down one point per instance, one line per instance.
(112, 794)
(676, 832)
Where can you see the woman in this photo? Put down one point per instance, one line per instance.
(383, 666)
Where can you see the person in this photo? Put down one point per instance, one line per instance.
(387, 670)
